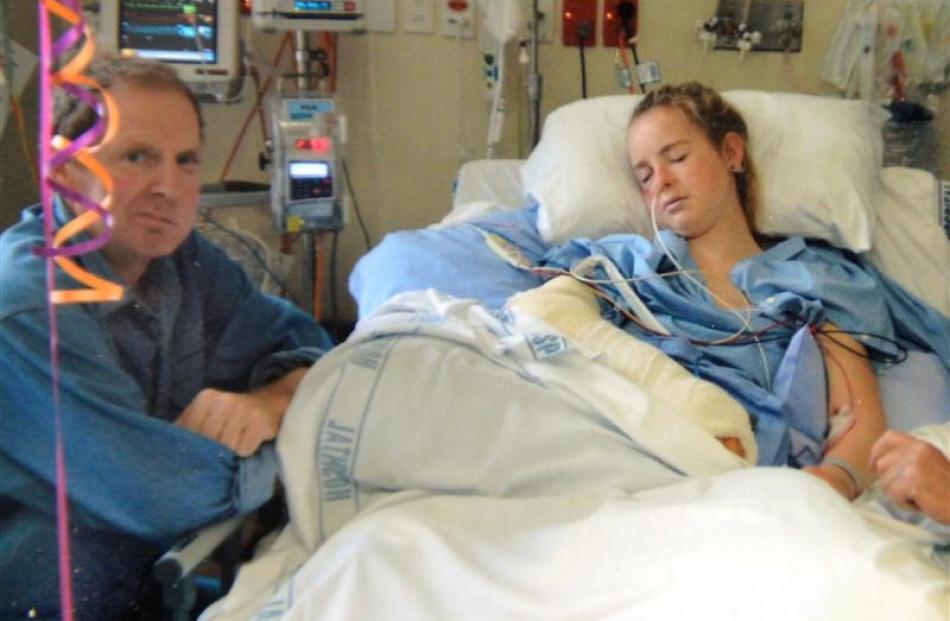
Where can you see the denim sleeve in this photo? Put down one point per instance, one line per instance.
(252, 335)
(162, 481)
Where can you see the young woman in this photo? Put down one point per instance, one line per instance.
(736, 312)
(689, 151)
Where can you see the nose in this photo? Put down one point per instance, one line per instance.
(658, 181)
(662, 177)
(166, 180)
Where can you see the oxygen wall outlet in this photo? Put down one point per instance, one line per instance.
(779, 25)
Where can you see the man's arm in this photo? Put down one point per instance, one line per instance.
(241, 421)
(913, 473)
(126, 470)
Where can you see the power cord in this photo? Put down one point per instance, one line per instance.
(356, 206)
(584, 31)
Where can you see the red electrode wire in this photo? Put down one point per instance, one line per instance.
(622, 47)
(256, 109)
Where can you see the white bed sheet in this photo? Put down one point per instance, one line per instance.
(558, 499)
(750, 545)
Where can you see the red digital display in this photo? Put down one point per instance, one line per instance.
(321, 145)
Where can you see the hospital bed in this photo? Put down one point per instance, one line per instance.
(525, 480)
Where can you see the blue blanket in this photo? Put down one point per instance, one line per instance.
(454, 260)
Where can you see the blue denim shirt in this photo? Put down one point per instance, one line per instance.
(127, 369)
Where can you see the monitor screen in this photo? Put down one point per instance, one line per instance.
(198, 37)
(170, 32)
(309, 170)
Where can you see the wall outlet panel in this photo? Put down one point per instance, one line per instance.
(418, 16)
(575, 16)
(781, 23)
(612, 24)
(457, 18)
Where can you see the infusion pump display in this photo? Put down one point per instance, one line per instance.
(309, 180)
(306, 193)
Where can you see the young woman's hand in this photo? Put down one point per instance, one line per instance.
(836, 478)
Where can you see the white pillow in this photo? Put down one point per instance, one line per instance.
(817, 157)
(910, 244)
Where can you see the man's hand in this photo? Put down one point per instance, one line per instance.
(913, 473)
(241, 421)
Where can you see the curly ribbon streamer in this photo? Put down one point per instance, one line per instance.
(56, 252)
(70, 78)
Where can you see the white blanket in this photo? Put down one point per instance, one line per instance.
(496, 475)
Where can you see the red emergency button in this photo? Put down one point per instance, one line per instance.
(458, 5)
(349, 7)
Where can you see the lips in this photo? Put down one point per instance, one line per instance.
(673, 203)
(154, 218)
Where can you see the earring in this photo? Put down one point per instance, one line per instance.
(739, 170)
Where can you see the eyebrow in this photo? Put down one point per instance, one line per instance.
(662, 151)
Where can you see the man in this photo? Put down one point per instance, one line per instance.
(914, 474)
(168, 397)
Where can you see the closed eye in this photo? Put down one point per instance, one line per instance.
(643, 174)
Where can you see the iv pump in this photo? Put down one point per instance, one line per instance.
(306, 192)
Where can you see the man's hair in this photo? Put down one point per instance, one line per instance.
(705, 108)
(72, 116)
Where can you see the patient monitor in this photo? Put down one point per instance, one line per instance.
(199, 38)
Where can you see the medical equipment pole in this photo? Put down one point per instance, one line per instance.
(310, 250)
(534, 80)
(302, 58)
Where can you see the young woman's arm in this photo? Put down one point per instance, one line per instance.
(852, 392)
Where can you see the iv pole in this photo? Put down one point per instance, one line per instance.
(535, 79)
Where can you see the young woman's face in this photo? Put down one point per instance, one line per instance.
(685, 179)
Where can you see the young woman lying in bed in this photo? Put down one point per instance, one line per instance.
(688, 149)
(783, 331)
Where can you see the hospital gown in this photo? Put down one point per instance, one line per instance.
(790, 286)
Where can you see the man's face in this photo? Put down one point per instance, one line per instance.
(153, 161)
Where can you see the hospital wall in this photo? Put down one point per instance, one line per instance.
(416, 110)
